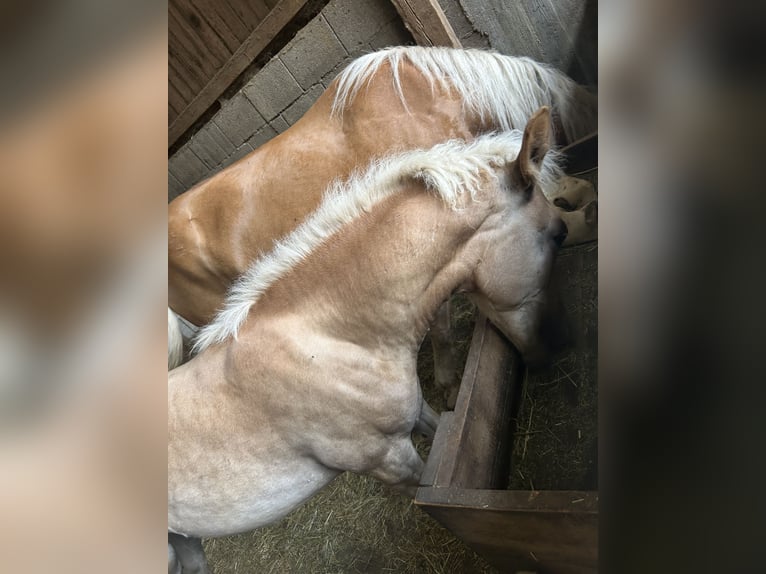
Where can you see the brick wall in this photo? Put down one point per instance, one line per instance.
(281, 92)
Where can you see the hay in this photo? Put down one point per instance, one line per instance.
(556, 443)
(355, 525)
(462, 318)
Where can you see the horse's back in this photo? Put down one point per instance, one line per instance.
(217, 228)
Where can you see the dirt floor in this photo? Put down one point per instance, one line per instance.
(355, 525)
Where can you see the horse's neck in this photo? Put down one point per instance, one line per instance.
(382, 278)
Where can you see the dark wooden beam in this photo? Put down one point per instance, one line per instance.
(427, 23)
(271, 25)
(471, 448)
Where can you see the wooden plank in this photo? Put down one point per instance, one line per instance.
(178, 93)
(427, 23)
(485, 444)
(244, 12)
(497, 20)
(539, 542)
(182, 64)
(543, 531)
(476, 449)
(520, 501)
(260, 8)
(172, 112)
(179, 80)
(436, 455)
(211, 12)
(175, 100)
(581, 154)
(554, 42)
(228, 18)
(208, 23)
(277, 19)
(204, 39)
(586, 43)
(578, 19)
(448, 442)
(188, 50)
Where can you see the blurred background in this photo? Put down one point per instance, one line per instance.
(83, 192)
(83, 144)
(681, 282)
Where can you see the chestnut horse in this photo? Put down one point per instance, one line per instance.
(392, 100)
(309, 370)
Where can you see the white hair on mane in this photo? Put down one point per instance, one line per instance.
(453, 170)
(504, 89)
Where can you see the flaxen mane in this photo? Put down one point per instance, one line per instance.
(506, 89)
(453, 170)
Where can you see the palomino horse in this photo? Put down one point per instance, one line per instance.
(393, 100)
(309, 370)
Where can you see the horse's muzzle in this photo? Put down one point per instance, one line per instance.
(553, 336)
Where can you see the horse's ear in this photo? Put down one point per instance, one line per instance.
(534, 146)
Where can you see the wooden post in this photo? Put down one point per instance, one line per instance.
(427, 23)
(279, 16)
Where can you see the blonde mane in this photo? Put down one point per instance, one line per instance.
(504, 89)
(453, 170)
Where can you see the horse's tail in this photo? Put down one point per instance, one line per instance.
(175, 341)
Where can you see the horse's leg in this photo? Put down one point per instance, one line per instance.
(445, 358)
(401, 467)
(427, 421)
(189, 554)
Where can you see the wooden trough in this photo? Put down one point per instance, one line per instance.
(466, 479)
(464, 483)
